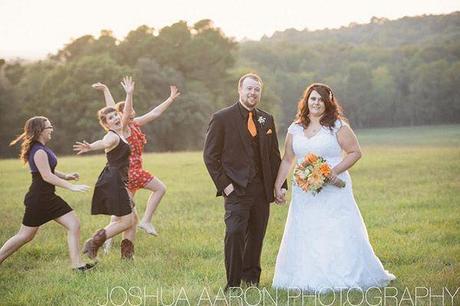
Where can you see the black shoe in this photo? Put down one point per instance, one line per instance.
(85, 268)
(248, 284)
(229, 289)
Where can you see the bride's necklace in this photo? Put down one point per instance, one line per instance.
(312, 132)
(313, 129)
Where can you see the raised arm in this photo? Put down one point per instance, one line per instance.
(43, 166)
(285, 166)
(107, 143)
(128, 86)
(157, 111)
(107, 95)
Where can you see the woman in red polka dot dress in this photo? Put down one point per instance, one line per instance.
(138, 177)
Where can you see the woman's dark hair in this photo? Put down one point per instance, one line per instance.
(32, 130)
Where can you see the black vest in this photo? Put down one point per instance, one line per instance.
(255, 164)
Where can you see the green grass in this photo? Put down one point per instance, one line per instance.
(407, 187)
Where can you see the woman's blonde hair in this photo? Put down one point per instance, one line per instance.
(102, 115)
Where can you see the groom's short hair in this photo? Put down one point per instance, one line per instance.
(251, 75)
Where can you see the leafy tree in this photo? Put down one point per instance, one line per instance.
(384, 73)
(140, 43)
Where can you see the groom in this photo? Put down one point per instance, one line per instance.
(242, 157)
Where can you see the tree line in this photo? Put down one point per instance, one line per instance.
(385, 73)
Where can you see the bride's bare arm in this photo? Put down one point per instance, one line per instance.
(349, 144)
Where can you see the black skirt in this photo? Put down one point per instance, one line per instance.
(110, 195)
(43, 207)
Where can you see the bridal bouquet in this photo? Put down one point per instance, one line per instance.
(312, 174)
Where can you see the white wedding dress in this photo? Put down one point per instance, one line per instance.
(325, 245)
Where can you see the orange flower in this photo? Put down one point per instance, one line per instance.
(317, 173)
(325, 169)
(311, 158)
(303, 184)
(298, 180)
(315, 182)
(315, 178)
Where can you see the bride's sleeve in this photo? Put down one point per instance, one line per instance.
(338, 124)
(294, 129)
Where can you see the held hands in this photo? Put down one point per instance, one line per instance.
(81, 147)
(128, 85)
(174, 92)
(280, 196)
(72, 176)
(99, 86)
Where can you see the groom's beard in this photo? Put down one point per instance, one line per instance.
(250, 101)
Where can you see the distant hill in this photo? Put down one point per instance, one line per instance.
(380, 31)
(385, 73)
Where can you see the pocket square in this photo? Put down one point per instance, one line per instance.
(269, 131)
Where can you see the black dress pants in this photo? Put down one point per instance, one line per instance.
(246, 218)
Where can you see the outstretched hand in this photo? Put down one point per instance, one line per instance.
(81, 147)
(174, 92)
(72, 176)
(79, 188)
(128, 84)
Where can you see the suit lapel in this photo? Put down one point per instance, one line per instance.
(261, 132)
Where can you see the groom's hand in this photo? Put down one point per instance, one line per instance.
(229, 189)
(280, 196)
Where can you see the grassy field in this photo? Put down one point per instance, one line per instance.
(407, 187)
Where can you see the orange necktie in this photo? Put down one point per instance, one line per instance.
(251, 125)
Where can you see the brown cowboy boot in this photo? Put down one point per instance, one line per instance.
(92, 245)
(127, 249)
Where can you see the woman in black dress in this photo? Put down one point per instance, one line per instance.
(41, 203)
(110, 194)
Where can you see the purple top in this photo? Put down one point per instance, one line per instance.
(51, 157)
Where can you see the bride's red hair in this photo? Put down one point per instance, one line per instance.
(333, 109)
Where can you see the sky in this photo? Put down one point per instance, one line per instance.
(34, 28)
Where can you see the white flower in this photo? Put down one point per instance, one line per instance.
(261, 120)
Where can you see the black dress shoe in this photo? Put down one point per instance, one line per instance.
(251, 284)
(229, 289)
(85, 268)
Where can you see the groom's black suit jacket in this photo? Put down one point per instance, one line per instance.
(226, 149)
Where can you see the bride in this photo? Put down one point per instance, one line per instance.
(325, 245)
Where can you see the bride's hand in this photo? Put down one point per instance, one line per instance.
(280, 196)
(333, 179)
